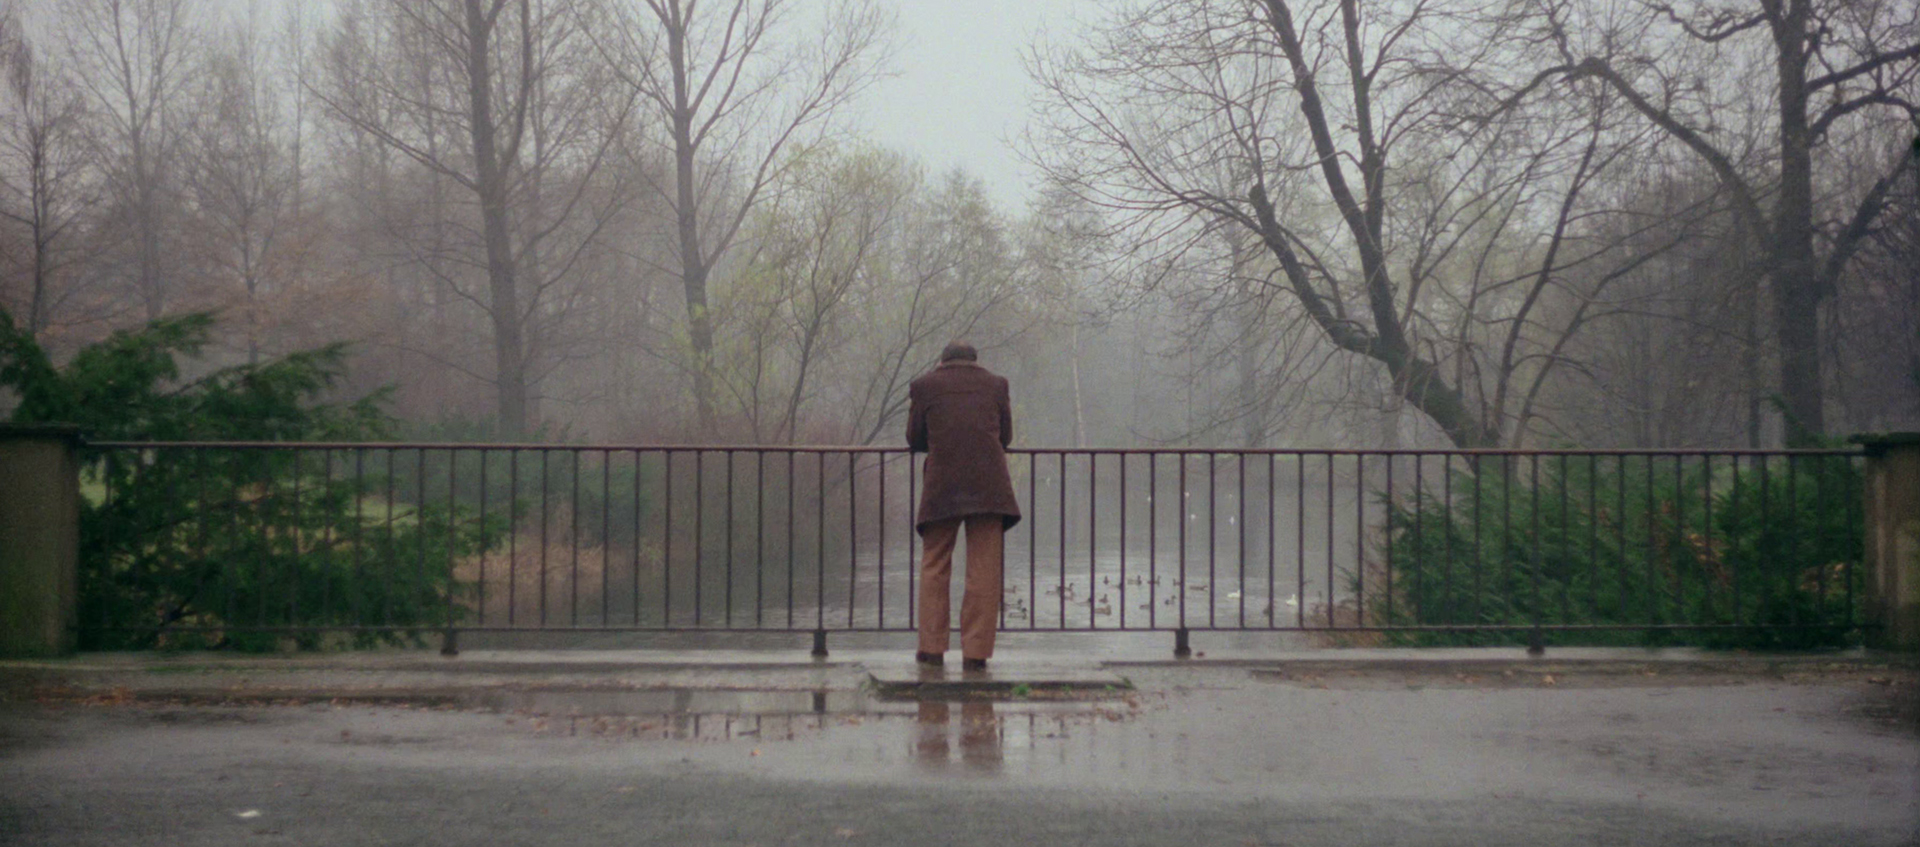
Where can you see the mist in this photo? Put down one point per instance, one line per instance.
(524, 235)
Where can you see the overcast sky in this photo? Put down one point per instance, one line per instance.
(961, 94)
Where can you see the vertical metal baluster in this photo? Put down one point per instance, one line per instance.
(1479, 536)
(1240, 542)
(263, 521)
(1852, 500)
(699, 533)
(1213, 512)
(666, 541)
(1593, 537)
(546, 509)
(606, 538)
(326, 538)
(1733, 563)
(573, 541)
(1420, 537)
(1706, 534)
(453, 470)
(729, 531)
(1300, 540)
(638, 521)
(480, 525)
(293, 560)
(420, 592)
(1792, 530)
(1153, 540)
(759, 539)
(880, 549)
(913, 532)
(1820, 531)
(1566, 542)
(1653, 578)
(1447, 612)
(1331, 544)
(1620, 535)
(1387, 548)
(820, 542)
(1766, 520)
(853, 534)
(1180, 585)
(1093, 535)
(200, 530)
(1273, 508)
(386, 597)
(1122, 592)
(792, 483)
(1533, 494)
(1677, 547)
(359, 536)
(513, 534)
(1506, 530)
(1359, 539)
(1033, 542)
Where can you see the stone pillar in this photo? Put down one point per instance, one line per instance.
(39, 539)
(1893, 537)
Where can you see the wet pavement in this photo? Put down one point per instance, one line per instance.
(1349, 747)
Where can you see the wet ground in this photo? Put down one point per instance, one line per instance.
(1354, 750)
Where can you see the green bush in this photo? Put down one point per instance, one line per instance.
(221, 547)
(1768, 553)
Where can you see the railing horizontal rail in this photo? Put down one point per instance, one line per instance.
(228, 541)
(1043, 451)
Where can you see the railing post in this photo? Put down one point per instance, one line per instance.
(1892, 514)
(819, 643)
(39, 539)
(1181, 648)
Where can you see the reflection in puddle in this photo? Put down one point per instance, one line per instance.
(959, 737)
(979, 735)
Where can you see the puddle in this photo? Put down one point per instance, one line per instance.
(787, 715)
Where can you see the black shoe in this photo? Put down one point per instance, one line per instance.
(973, 664)
(933, 659)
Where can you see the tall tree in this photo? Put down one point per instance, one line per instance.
(1405, 234)
(45, 166)
(509, 77)
(133, 59)
(1835, 66)
(725, 100)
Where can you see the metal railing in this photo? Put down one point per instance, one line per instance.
(204, 542)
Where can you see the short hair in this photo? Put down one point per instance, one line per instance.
(959, 350)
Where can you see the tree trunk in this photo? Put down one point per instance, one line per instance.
(693, 263)
(1797, 288)
(504, 305)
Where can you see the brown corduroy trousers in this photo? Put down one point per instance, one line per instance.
(980, 606)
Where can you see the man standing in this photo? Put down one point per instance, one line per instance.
(961, 418)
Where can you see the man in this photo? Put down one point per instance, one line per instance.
(960, 417)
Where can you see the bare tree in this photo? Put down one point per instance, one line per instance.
(726, 100)
(1836, 66)
(512, 78)
(132, 59)
(45, 166)
(1404, 232)
(241, 172)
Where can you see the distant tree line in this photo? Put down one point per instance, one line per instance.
(1261, 222)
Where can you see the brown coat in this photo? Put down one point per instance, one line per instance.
(961, 417)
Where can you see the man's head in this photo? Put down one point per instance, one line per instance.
(959, 351)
